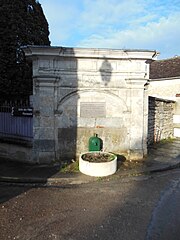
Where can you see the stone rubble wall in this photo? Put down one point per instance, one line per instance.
(160, 119)
(168, 88)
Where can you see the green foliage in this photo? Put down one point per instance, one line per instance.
(22, 23)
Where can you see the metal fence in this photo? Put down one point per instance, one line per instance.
(16, 121)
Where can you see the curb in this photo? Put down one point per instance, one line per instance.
(76, 181)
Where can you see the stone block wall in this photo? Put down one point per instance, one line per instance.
(15, 152)
(160, 119)
(79, 92)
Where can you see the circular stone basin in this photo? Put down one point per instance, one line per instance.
(98, 164)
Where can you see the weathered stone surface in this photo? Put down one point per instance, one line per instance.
(16, 152)
(167, 86)
(44, 145)
(79, 92)
(160, 122)
(75, 140)
(46, 157)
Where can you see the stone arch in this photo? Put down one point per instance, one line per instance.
(75, 128)
(78, 93)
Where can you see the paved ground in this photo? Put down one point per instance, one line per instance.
(165, 218)
(128, 208)
(161, 157)
(140, 201)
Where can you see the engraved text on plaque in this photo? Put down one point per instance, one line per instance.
(92, 110)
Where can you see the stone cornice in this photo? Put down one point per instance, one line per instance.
(40, 51)
(136, 82)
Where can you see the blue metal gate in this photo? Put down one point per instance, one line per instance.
(16, 122)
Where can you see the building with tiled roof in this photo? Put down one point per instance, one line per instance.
(165, 68)
(165, 78)
(164, 83)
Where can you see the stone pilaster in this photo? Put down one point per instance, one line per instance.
(44, 122)
(138, 120)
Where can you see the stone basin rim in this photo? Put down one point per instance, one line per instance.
(97, 169)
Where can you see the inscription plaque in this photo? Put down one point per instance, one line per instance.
(93, 110)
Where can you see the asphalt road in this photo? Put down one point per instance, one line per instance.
(144, 207)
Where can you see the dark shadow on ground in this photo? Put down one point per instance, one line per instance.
(12, 172)
(9, 191)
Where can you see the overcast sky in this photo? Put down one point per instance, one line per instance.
(119, 24)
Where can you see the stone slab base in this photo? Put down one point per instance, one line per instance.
(15, 152)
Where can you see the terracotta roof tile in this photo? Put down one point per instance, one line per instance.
(165, 68)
